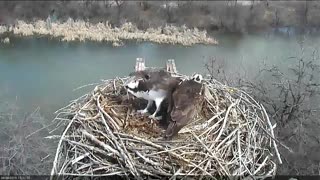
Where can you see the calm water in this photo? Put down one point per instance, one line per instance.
(43, 73)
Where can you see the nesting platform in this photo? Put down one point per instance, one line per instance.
(103, 136)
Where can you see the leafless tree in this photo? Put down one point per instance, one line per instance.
(306, 10)
(215, 67)
(226, 15)
(120, 4)
(23, 149)
(295, 87)
(291, 97)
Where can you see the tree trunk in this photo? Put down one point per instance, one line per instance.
(119, 11)
(252, 3)
(305, 20)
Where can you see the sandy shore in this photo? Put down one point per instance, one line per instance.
(103, 32)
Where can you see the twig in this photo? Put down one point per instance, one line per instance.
(103, 145)
(85, 86)
(54, 168)
(225, 120)
(272, 134)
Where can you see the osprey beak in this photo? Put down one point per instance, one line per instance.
(127, 82)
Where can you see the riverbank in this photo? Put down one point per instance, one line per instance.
(103, 32)
(225, 16)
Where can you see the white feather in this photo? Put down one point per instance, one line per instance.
(133, 84)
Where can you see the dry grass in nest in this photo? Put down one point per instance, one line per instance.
(231, 135)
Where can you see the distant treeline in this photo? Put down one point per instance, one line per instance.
(232, 15)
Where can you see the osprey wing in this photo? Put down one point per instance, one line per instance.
(183, 106)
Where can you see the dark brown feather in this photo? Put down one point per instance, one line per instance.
(183, 106)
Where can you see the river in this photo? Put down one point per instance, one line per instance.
(38, 72)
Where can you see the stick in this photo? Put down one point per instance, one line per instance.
(54, 168)
(115, 125)
(272, 134)
(239, 150)
(85, 86)
(210, 153)
(147, 159)
(103, 145)
(225, 121)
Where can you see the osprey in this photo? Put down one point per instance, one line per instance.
(183, 104)
(151, 85)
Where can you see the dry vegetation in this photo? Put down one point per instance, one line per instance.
(23, 149)
(82, 31)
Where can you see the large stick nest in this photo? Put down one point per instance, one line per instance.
(230, 135)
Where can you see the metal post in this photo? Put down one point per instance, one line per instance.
(171, 66)
(140, 64)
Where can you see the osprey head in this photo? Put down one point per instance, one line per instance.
(144, 75)
(132, 84)
(137, 80)
(197, 78)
